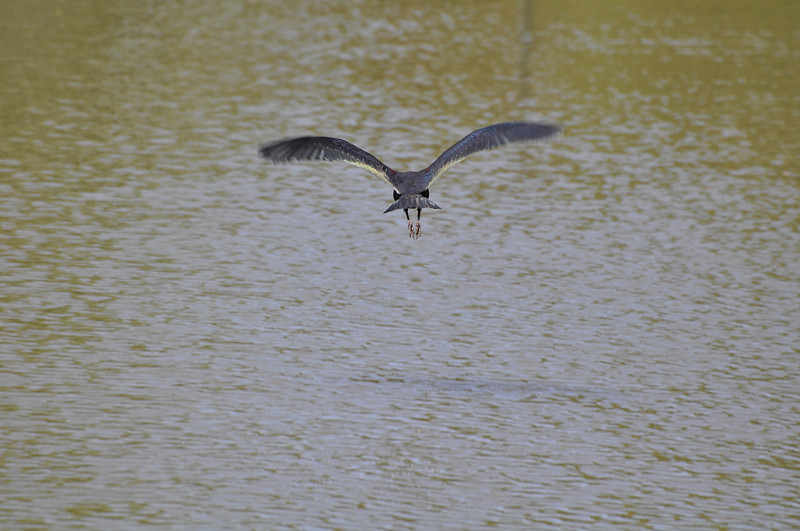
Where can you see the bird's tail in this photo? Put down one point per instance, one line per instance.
(411, 201)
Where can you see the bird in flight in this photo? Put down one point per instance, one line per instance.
(410, 187)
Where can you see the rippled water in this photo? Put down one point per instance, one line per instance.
(597, 332)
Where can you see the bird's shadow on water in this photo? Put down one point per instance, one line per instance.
(489, 388)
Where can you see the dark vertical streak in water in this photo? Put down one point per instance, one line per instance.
(526, 41)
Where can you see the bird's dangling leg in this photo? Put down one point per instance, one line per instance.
(410, 225)
(419, 215)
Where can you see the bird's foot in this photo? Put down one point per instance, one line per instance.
(417, 232)
(410, 229)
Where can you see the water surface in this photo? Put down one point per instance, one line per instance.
(598, 332)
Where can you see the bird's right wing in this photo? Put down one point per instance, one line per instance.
(325, 148)
(491, 137)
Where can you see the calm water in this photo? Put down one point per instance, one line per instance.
(599, 332)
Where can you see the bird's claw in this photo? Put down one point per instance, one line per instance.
(413, 232)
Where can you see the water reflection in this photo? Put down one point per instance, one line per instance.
(597, 331)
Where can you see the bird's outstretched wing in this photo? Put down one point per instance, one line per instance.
(325, 148)
(491, 137)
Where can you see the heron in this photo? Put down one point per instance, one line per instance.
(410, 188)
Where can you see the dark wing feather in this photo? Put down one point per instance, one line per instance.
(491, 137)
(325, 148)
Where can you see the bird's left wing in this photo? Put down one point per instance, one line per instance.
(325, 148)
(491, 137)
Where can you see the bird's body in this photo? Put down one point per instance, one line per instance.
(410, 187)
